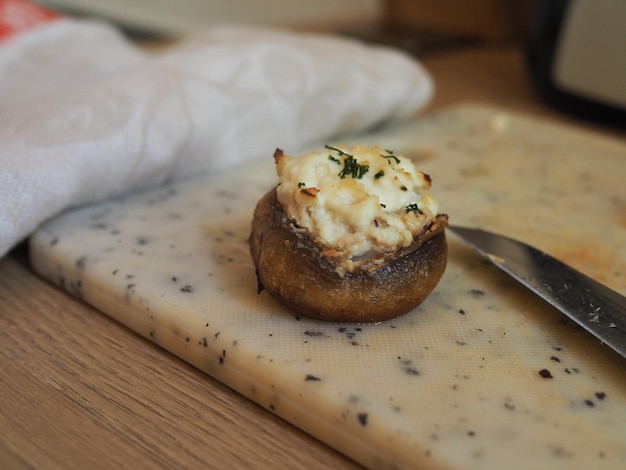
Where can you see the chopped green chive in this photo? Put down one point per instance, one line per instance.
(412, 208)
(390, 154)
(339, 151)
(351, 167)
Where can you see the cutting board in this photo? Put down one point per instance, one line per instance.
(482, 375)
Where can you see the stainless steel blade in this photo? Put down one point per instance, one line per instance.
(598, 309)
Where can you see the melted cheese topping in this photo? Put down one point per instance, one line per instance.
(356, 202)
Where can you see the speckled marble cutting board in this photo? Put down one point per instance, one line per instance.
(454, 383)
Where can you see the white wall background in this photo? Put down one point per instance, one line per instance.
(188, 16)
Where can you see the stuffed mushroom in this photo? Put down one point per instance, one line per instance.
(348, 234)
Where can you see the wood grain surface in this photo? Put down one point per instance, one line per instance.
(78, 390)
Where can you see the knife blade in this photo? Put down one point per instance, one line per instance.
(598, 309)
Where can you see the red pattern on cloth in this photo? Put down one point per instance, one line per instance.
(17, 16)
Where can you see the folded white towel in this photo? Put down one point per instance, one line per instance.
(84, 115)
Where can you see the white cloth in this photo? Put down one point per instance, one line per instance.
(85, 116)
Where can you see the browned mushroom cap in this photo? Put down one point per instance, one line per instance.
(291, 268)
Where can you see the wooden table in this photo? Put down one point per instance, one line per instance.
(78, 390)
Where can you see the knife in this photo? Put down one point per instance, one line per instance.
(598, 309)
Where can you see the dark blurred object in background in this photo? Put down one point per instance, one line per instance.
(489, 20)
(424, 26)
(577, 57)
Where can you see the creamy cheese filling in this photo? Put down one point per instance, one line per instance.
(356, 202)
